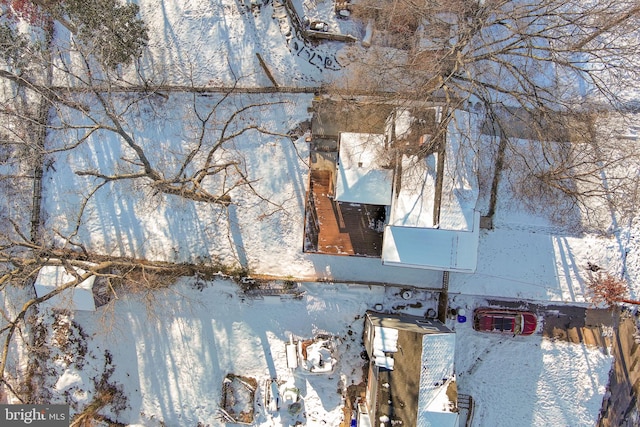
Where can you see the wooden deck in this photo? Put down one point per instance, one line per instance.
(340, 228)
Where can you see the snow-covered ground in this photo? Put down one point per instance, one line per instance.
(528, 381)
(199, 42)
(170, 353)
(215, 42)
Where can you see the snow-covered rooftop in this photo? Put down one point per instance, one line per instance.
(413, 204)
(385, 340)
(415, 237)
(432, 248)
(364, 175)
(438, 355)
(79, 297)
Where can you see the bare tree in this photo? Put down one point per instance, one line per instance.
(96, 100)
(606, 289)
(68, 88)
(205, 170)
(109, 28)
(542, 71)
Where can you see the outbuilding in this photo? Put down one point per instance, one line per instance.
(411, 376)
(78, 297)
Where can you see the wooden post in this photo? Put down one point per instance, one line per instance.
(443, 300)
(266, 70)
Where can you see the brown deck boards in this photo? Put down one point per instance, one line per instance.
(344, 227)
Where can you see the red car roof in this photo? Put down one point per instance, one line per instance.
(503, 320)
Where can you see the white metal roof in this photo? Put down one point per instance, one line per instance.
(438, 352)
(79, 297)
(432, 248)
(363, 173)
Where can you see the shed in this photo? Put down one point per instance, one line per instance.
(79, 297)
(418, 387)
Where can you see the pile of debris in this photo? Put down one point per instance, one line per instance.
(315, 356)
(238, 396)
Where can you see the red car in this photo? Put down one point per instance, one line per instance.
(514, 322)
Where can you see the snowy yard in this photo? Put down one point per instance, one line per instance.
(161, 358)
(170, 358)
(208, 43)
(529, 380)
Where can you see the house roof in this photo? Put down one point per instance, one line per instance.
(432, 248)
(403, 322)
(79, 297)
(413, 205)
(425, 351)
(436, 372)
(363, 174)
(412, 238)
